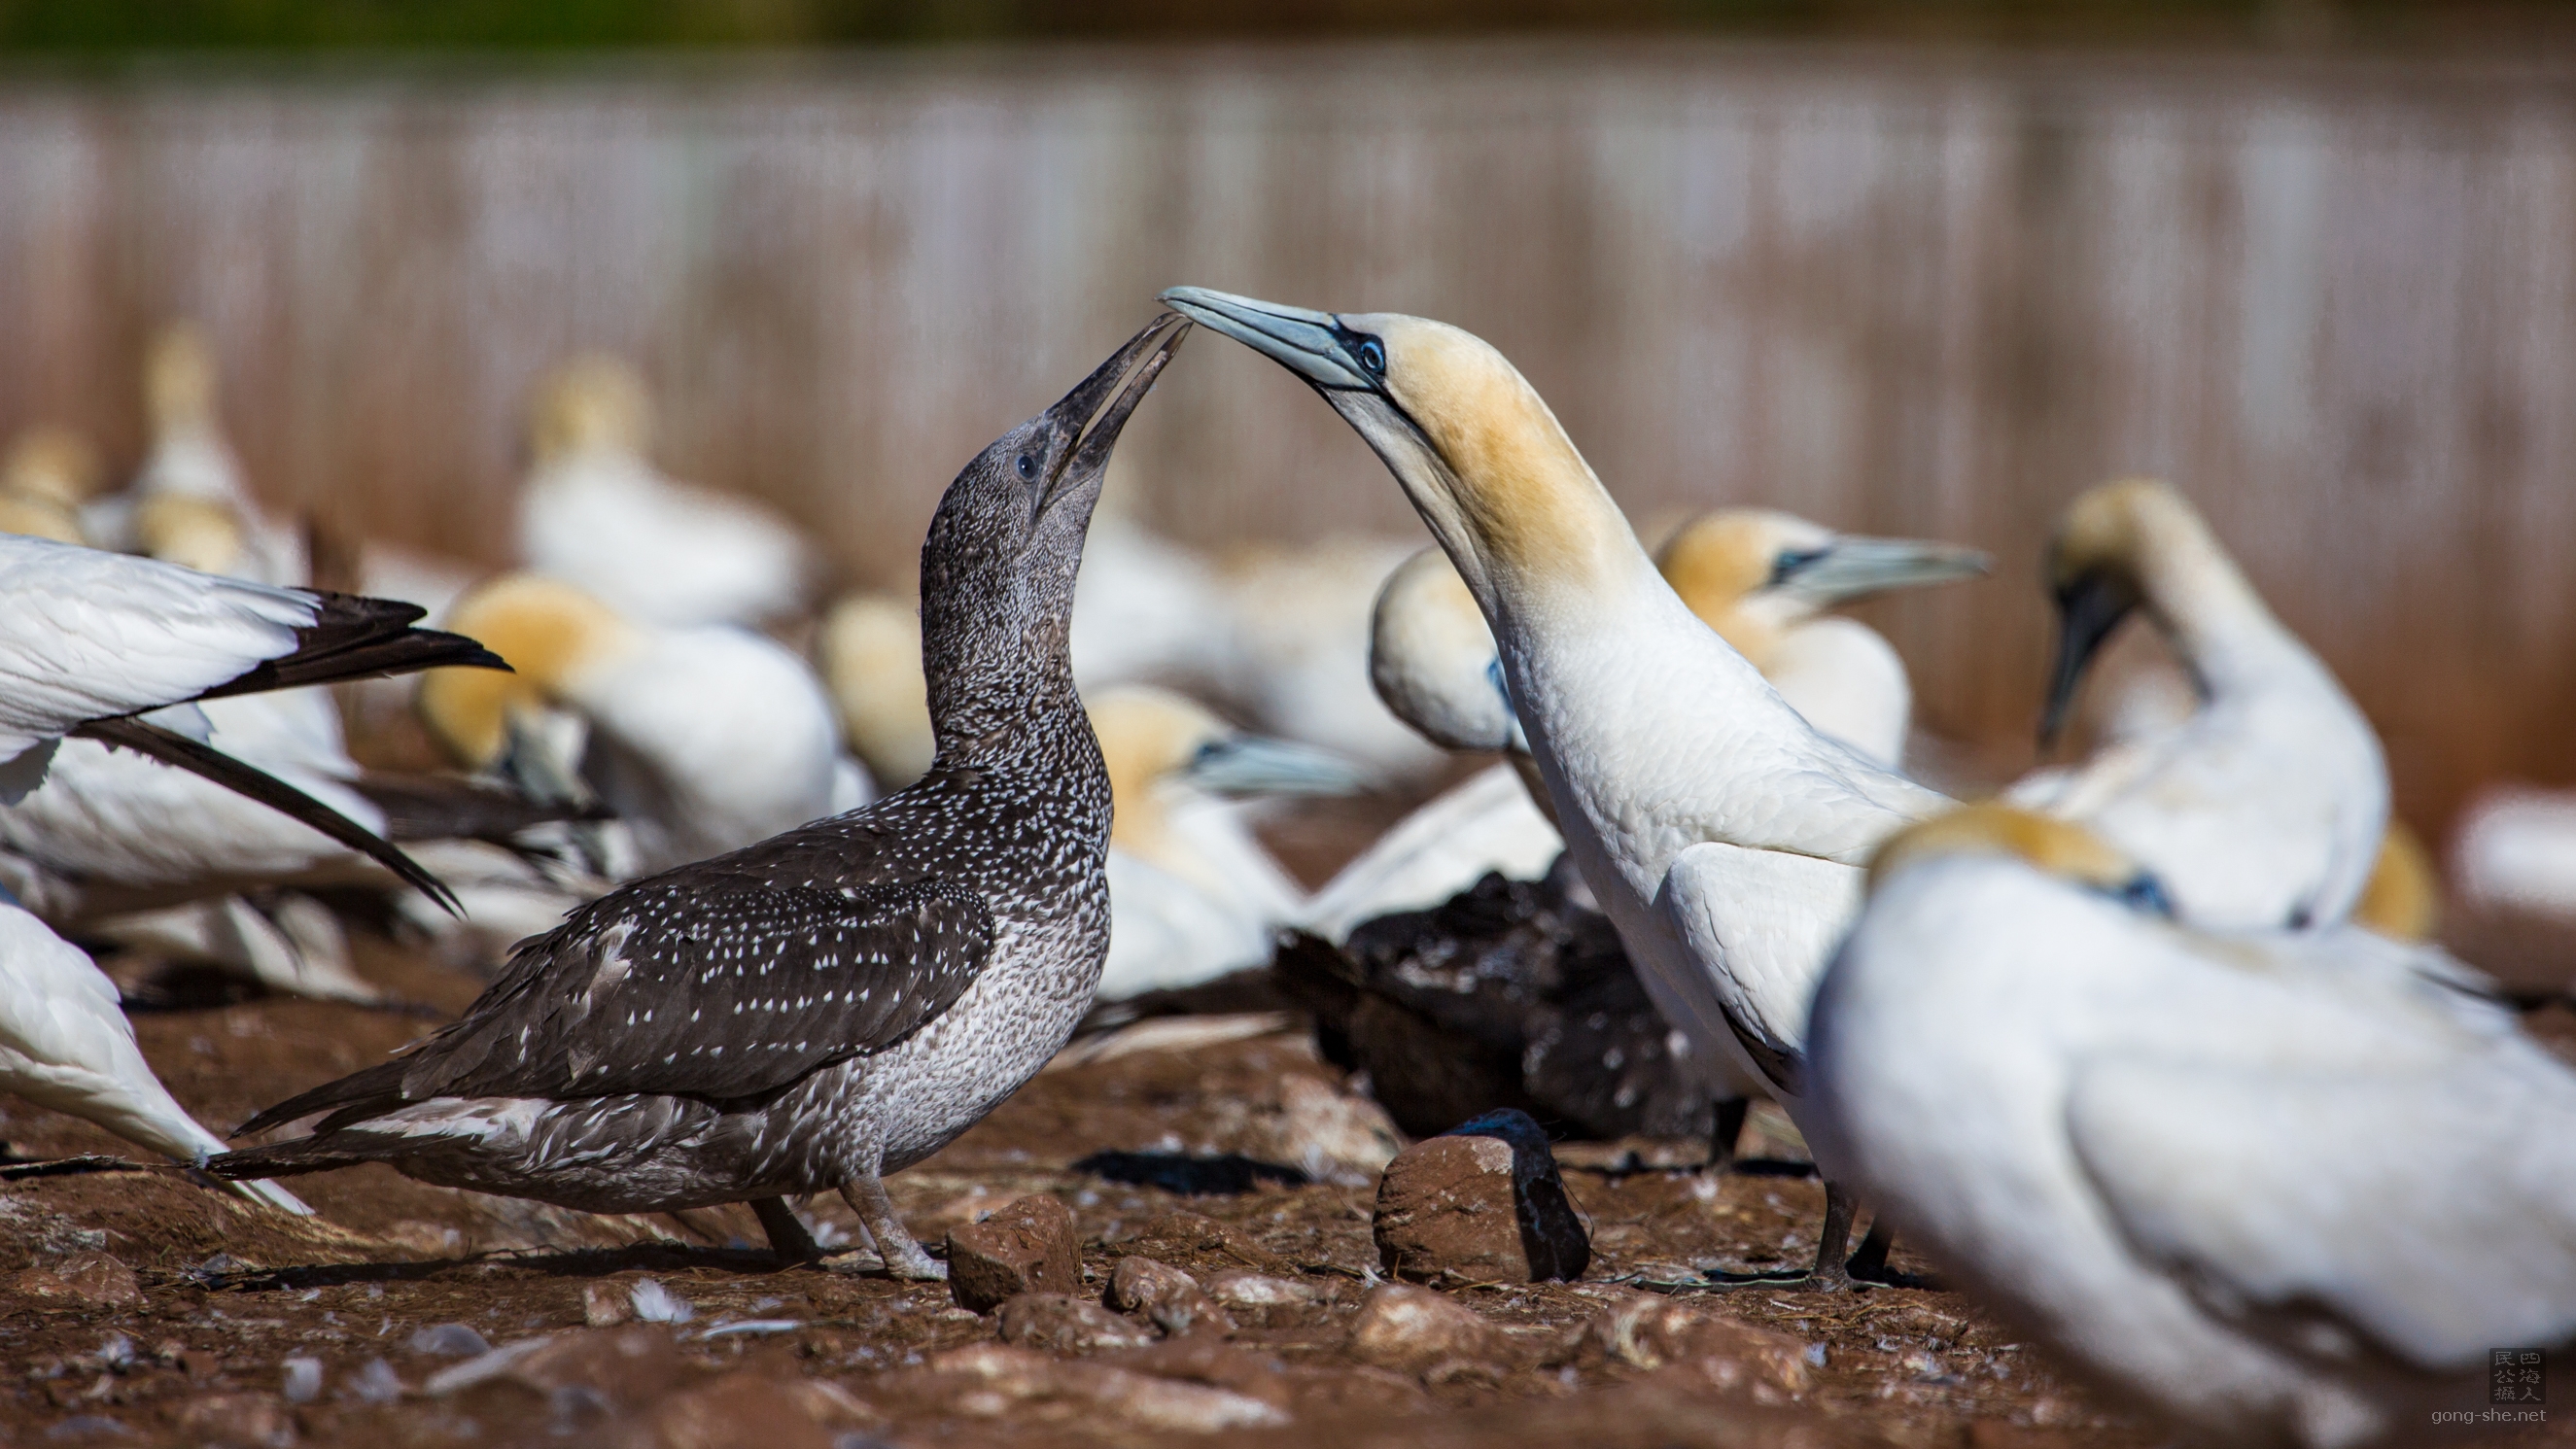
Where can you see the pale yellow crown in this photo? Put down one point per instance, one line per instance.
(595, 402)
(1146, 736)
(179, 378)
(53, 464)
(2054, 847)
(197, 533)
(2112, 527)
(545, 629)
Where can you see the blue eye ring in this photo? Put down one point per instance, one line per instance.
(1028, 466)
(2143, 892)
(1372, 356)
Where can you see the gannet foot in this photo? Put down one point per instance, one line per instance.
(787, 1235)
(902, 1257)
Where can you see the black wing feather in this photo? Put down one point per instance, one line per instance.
(356, 637)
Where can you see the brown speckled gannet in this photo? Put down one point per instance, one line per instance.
(841, 1001)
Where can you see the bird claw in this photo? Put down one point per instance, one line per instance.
(864, 1263)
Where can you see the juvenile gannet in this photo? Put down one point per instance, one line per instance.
(2281, 1187)
(2267, 807)
(1722, 834)
(92, 640)
(1192, 892)
(1763, 579)
(702, 738)
(870, 651)
(65, 1045)
(596, 513)
(837, 1003)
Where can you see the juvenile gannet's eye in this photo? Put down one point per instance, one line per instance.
(2143, 892)
(1372, 356)
(1028, 466)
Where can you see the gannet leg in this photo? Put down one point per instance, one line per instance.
(787, 1235)
(903, 1257)
(1869, 1265)
(1727, 1133)
(1840, 1208)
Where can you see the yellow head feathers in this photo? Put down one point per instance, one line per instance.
(52, 465)
(547, 630)
(592, 403)
(193, 532)
(870, 648)
(2115, 529)
(2054, 847)
(1429, 652)
(1146, 736)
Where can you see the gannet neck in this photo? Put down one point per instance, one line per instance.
(179, 383)
(593, 406)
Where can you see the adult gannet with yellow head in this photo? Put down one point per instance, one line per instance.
(1722, 834)
(2283, 1187)
(2268, 806)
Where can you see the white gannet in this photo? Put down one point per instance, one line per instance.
(65, 1045)
(189, 505)
(596, 513)
(2515, 850)
(2268, 806)
(1763, 579)
(702, 738)
(2281, 1187)
(49, 473)
(91, 640)
(1192, 893)
(1721, 833)
(869, 649)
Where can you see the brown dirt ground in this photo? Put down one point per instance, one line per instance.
(229, 1292)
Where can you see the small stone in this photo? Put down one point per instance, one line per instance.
(1481, 1204)
(1056, 1323)
(83, 1278)
(237, 1421)
(1205, 1359)
(1642, 1330)
(997, 1378)
(303, 1379)
(627, 1366)
(450, 1340)
(1165, 1294)
(1027, 1247)
(1325, 1132)
(604, 1306)
(1259, 1290)
(1415, 1329)
(377, 1383)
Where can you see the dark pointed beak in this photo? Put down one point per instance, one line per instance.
(1306, 342)
(2088, 609)
(1140, 360)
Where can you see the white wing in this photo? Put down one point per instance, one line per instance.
(1165, 932)
(1485, 824)
(90, 635)
(1762, 924)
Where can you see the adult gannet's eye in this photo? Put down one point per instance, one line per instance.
(1790, 560)
(2143, 892)
(1028, 466)
(1372, 356)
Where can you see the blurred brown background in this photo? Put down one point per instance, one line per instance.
(2329, 288)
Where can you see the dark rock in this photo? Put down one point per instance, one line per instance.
(1415, 1330)
(1481, 1205)
(82, 1278)
(1027, 1247)
(1164, 1294)
(1055, 1323)
(1223, 1175)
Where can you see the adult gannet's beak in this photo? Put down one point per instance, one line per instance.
(1853, 567)
(1243, 765)
(1314, 345)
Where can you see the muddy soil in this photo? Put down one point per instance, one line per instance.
(140, 1307)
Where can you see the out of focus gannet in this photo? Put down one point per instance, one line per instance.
(190, 505)
(1722, 834)
(2280, 1187)
(2267, 808)
(91, 640)
(65, 1045)
(839, 1002)
(870, 649)
(2516, 850)
(1192, 893)
(1763, 579)
(49, 473)
(597, 514)
(702, 739)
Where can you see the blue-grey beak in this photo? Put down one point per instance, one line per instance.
(1247, 765)
(1855, 568)
(1309, 343)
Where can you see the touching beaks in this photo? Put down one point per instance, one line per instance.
(2089, 607)
(1315, 345)
(1243, 765)
(1854, 568)
(1080, 411)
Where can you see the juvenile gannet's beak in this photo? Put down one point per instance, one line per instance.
(1242, 765)
(1080, 411)
(1854, 568)
(2089, 607)
(1314, 345)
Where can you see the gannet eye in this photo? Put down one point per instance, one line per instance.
(1791, 560)
(1028, 466)
(2143, 892)
(1372, 356)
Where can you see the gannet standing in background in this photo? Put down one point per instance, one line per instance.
(1722, 834)
(65, 1045)
(869, 650)
(48, 475)
(1296, 660)
(839, 1002)
(1763, 579)
(189, 505)
(597, 514)
(2281, 1187)
(702, 739)
(2264, 810)
(1193, 894)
